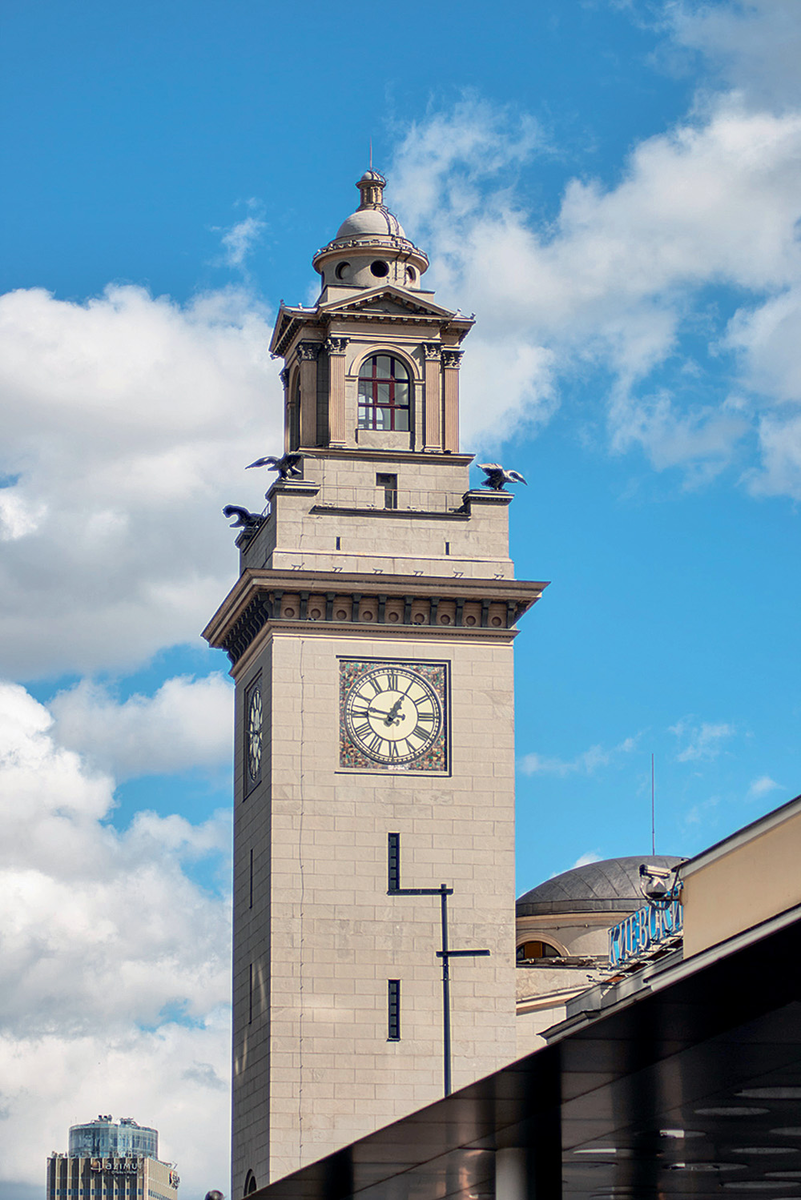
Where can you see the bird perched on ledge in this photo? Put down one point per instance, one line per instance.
(287, 466)
(244, 519)
(497, 476)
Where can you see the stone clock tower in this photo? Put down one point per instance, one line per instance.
(371, 639)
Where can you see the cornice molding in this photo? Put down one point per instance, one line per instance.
(321, 600)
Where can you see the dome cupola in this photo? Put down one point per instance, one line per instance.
(370, 247)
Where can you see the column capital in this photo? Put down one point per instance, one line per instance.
(335, 344)
(432, 350)
(452, 358)
(308, 351)
(284, 376)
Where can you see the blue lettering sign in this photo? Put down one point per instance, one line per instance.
(644, 930)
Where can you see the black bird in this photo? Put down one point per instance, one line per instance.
(287, 466)
(244, 519)
(497, 476)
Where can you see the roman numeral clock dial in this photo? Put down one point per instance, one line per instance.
(393, 715)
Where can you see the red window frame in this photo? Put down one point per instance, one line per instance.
(371, 401)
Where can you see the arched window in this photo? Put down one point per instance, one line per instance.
(250, 1183)
(531, 951)
(384, 393)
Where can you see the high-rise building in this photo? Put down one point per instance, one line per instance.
(371, 635)
(105, 1138)
(111, 1160)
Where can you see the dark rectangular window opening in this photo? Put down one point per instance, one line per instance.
(339, 543)
(393, 861)
(447, 547)
(390, 485)
(253, 731)
(250, 905)
(393, 1010)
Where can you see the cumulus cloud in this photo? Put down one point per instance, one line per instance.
(239, 239)
(619, 279)
(188, 723)
(700, 739)
(584, 860)
(127, 424)
(115, 964)
(762, 786)
(585, 763)
(755, 45)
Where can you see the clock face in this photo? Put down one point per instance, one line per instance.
(254, 726)
(393, 715)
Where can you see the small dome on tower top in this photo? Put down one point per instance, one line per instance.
(372, 216)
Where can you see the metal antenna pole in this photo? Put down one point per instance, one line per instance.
(653, 810)
(446, 954)
(446, 991)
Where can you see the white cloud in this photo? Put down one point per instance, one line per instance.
(128, 421)
(702, 740)
(239, 239)
(762, 786)
(584, 860)
(115, 963)
(703, 813)
(187, 723)
(619, 279)
(755, 44)
(585, 763)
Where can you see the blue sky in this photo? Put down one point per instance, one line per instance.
(613, 187)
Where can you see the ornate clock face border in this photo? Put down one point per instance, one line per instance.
(434, 677)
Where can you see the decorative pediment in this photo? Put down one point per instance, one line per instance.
(288, 322)
(385, 303)
(389, 300)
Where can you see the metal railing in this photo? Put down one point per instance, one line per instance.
(387, 497)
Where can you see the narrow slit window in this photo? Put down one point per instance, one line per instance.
(390, 485)
(250, 905)
(393, 1010)
(393, 861)
(447, 547)
(250, 994)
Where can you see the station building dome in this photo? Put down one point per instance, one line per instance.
(611, 885)
(562, 942)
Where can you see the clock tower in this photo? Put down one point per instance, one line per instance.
(370, 633)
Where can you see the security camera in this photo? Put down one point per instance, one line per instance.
(656, 872)
(656, 882)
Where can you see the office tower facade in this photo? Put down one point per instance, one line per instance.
(110, 1160)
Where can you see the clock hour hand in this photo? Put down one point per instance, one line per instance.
(390, 718)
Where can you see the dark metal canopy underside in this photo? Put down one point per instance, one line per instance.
(716, 1054)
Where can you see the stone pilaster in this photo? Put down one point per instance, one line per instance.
(433, 405)
(451, 360)
(307, 357)
(335, 347)
(284, 377)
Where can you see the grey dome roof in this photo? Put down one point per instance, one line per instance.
(370, 220)
(609, 886)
